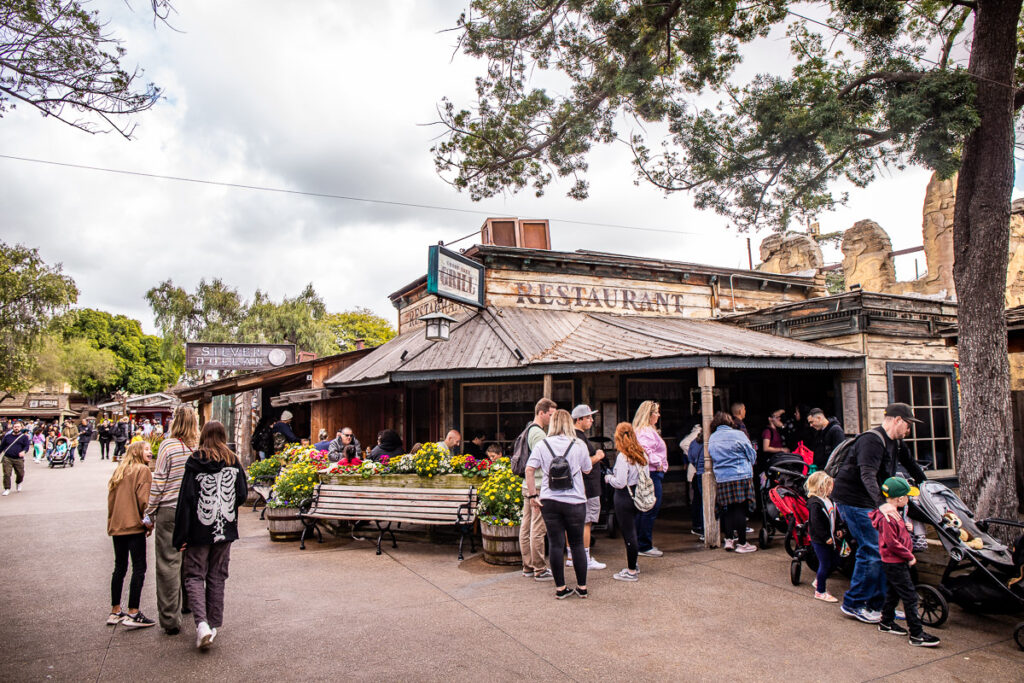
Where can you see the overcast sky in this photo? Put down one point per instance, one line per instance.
(332, 98)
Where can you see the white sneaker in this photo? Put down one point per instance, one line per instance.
(746, 548)
(594, 564)
(729, 544)
(6, 492)
(653, 552)
(213, 634)
(18, 488)
(204, 636)
(749, 530)
(568, 561)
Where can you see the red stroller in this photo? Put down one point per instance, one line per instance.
(792, 506)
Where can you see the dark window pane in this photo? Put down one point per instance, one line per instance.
(940, 391)
(943, 455)
(940, 422)
(901, 389)
(920, 390)
(922, 431)
(925, 455)
(562, 395)
(484, 423)
(520, 398)
(479, 399)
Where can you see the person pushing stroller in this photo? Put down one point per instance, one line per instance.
(896, 548)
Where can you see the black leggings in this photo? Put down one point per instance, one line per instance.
(625, 515)
(133, 545)
(565, 520)
(734, 521)
(119, 448)
(104, 448)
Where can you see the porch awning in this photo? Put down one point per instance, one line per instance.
(501, 342)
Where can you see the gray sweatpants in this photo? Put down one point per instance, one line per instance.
(206, 571)
(168, 569)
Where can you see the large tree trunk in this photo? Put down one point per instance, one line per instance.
(980, 243)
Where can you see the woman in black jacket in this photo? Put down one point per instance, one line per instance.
(205, 525)
(105, 436)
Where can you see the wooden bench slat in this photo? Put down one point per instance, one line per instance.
(434, 504)
(328, 495)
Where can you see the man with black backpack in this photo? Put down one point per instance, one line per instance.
(532, 529)
(872, 458)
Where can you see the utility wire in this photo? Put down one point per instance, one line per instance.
(326, 195)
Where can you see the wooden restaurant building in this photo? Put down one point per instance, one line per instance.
(612, 330)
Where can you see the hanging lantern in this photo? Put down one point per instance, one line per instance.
(439, 326)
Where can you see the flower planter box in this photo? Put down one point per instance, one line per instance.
(501, 544)
(405, 481)
(284, 524)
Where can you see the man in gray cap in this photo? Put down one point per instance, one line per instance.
(872, 459)
(583, 417)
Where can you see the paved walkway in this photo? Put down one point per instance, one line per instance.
(337, 611)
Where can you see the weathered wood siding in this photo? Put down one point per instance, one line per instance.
(882, 350)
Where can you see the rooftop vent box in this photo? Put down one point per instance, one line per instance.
(515, 232)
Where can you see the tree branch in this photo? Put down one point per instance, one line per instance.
(884, 76)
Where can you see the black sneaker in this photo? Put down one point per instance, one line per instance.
(173, 631)
(137, 620)
(582, 592)
(564, 593)
(892, 628)
(924, 640)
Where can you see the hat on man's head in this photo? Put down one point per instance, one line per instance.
(903, 411)
(285, 416)
(894, 487)
(581, 411)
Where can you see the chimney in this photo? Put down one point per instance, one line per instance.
(516, 232)
(360, 344)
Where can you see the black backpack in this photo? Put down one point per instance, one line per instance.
(839, 455)
(560, 473)
(521, 450)
(262, 441)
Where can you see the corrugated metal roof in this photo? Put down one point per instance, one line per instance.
(510, 341)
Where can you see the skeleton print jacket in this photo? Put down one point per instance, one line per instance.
(207, 510)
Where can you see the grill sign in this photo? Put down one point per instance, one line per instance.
(454, 277)
(199, 356)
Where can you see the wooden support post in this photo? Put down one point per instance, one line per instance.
(205, 409)
(549, 387)
(706, 381)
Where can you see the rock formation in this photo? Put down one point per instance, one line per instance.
(937, 235)
(790, 254)
(867, 258)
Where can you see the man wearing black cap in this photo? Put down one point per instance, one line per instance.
(872, 459)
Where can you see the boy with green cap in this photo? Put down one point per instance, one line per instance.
(896, 548)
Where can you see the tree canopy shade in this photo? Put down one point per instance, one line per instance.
(56, 56)
(873, 84)
(216, 312)
(31, 295)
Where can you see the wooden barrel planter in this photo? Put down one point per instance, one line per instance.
(284, 524)
(501, 544)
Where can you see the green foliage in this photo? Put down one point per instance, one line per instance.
(360, 323)
(875, 88)
(501, 496)
(89, 370)
(140, 365)
(55, 56)
(265, 468)
(31, 295)
(216, 312)
(835, 282)
(294, 484)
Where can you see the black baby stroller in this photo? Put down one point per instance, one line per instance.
(785, 473)
(63, 455)
(983, 575)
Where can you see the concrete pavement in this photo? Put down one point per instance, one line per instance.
(338, 611)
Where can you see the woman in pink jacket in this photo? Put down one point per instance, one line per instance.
(645, 423)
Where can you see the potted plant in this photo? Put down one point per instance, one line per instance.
(294, 484)
(499, 511)
(429, 467)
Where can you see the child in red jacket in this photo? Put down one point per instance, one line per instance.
(897, 550)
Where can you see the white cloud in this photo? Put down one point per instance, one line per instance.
(321, 97)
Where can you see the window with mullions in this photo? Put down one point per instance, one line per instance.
(672, 395)
(929, 395)
(500, 411)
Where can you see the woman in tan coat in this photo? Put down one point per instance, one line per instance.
(127, 497)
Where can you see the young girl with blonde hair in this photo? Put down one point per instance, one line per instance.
(645, 424)
(822, 524)
(127, 525)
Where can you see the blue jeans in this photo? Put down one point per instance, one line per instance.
(867, 585)
(645, 520)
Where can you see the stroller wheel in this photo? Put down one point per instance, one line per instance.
(794, 572)
(1018, 635)
(790, 548)
(932, 605)
(764, 539)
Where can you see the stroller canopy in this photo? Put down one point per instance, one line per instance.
(936, 500)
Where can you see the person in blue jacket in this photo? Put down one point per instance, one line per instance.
(732, 457)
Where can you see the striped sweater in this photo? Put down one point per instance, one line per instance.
(170, 467)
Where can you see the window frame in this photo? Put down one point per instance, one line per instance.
(462, 412)
(948, 371)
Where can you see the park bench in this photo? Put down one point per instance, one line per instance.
(264, 488)
(385, 506)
